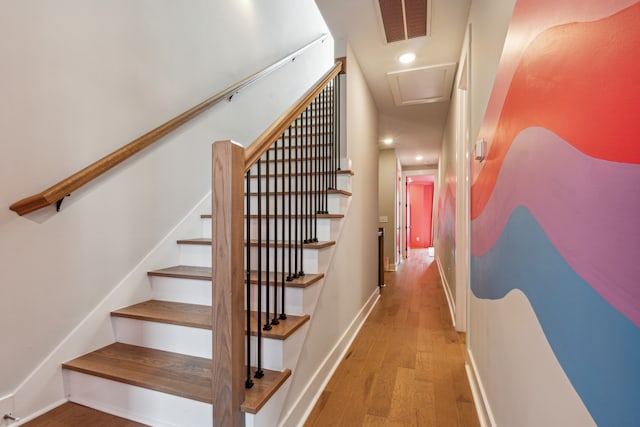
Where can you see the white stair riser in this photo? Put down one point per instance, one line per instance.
(313, 260)
(176, 289)
(200, 255)
(293, 297)
(281, 354)
(335, 203)
(136, 403)
(269, 414)
(326, 229)
(192, 341)
(319, 159)
(163, 336)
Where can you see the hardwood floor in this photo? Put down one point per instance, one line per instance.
(74, 415)
(406, 366)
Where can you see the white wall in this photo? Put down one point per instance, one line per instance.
(82, 78)
(353, 277)
(387, 202)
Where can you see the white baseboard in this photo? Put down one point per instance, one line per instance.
(447, 291)
(43, 388)
(485, 416)
(308, 398)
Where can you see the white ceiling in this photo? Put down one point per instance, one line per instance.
(416, 129)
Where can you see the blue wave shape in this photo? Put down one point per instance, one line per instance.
(598, 347)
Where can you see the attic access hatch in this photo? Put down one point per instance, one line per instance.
(404, 19)
(422, 85)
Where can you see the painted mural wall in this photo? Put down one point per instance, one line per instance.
(555, 313)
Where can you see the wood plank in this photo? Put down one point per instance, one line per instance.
(199, 316)
(339, 172)
(73, 415)
(227, 197)
(183, 272)
(281, 331)
(256, 397)
(205, 241)
(204, 273)
(172, 373)
(174, 313)
(413, 373)
(168, 372)
(280, 193)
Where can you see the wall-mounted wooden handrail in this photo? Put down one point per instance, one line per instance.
(65, 187)
(273, 132)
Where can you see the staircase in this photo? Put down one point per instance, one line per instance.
(159, 369)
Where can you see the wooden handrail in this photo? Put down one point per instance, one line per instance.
(65, 187)
(253, 152)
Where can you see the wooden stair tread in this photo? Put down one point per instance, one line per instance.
(299, 216)
(172, 373)
(174, 313)
(279, 244)
(339, 172)
(321, 216)
(298, 282)
(183, 272)
(204, 273)
(199, 316)
(74, 415)
(280, 193)
(207, 241)
(263, 389)
(281, 331)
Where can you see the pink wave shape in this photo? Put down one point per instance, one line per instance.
(530, 18)
(587, 207)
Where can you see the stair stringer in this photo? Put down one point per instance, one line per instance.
(296, 408)
(44, 388)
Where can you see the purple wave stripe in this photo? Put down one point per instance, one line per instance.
(588, 208)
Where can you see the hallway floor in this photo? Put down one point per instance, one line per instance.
(406, 366)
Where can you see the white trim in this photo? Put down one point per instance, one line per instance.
(485, 415)
(303, 406)
(451, 302)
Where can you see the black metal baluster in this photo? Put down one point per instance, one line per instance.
(325, 144)
(248, 382)
(334, 136)
(267, 324)
(316, 177)
(337, 118)
(279, 179)
(259, 372)
(295, 203)
(299, 211)
(307, 188)
(286, 278)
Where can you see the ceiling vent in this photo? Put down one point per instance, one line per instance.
(422, 85)
(404, 19)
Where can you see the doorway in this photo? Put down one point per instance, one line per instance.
(419, 190)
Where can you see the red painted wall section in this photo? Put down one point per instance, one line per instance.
(421, 199)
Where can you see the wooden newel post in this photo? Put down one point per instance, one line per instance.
(228, 283)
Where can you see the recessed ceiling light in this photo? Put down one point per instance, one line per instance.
(407, 58)
(418, 158)
(388, 141)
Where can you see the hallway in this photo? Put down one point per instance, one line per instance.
(406, 366)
